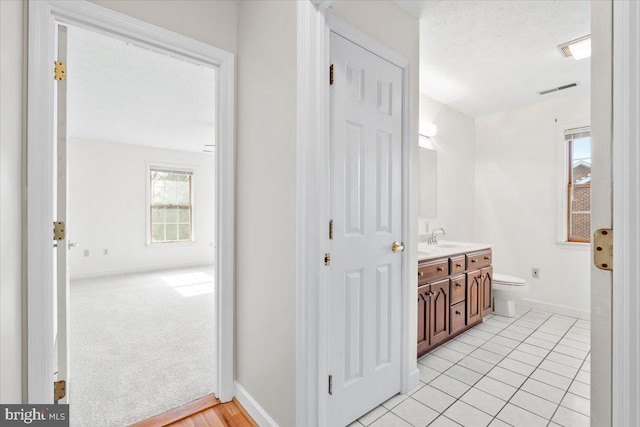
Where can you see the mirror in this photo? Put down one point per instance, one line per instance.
(428, 186)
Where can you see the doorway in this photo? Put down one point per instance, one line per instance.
(140, 214)
(44, 20)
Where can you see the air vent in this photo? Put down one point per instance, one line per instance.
(559, 88)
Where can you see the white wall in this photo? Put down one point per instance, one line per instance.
(108, 209)
(265, 293)
(516, 201)
(455, 146)
(266, 185)
(11, 105)
(213, 22)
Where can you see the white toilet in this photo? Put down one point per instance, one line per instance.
(506, 290)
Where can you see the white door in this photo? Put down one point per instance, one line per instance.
(366, 209)
(61, 325)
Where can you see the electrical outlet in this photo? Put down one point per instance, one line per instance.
(535, 273)
(105, 252)
(86, 252)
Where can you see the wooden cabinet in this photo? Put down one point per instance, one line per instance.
(439, 311)
(453, 294)
(423, 318)
(458, 321)
(487, 294)
(474, 296)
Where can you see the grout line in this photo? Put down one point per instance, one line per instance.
(567, 391)
(536, 367)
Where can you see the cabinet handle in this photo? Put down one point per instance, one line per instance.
(487, 258)
(474, 261)
(457, 312)
(458, 265)
(458, 285)
(440, 269)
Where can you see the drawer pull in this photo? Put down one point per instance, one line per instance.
(474, 261)
(440, 269)
(458, 285)
(458, 265)
(458, 313)
(487, 258)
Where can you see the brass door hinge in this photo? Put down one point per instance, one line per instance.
(59, 390)
(603, 249)
(330, 384)
(59, 230)
(327, 259)
(330, 229)
(331, 75)
(59, 71)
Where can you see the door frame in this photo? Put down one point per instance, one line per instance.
(312, 295)
(44, 15)
(625, 320)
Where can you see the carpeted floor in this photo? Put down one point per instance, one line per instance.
(141, 344)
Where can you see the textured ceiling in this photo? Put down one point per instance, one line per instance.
(125, 94)
(481, 57)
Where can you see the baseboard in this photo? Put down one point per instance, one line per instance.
(132, 270)
(563, 310)
(254, 409)
(413, 381)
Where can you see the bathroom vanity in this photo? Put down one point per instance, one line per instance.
(454, 290)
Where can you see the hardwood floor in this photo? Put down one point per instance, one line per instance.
(204, 412)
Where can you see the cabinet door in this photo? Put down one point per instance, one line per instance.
(439, 307)
(474, 296)
(423, 319)
(487, 294)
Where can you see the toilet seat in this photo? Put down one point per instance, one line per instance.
(504, 280)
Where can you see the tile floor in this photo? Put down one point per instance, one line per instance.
(527, 371)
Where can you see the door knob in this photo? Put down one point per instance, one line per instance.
(72, 244)
(397, 247)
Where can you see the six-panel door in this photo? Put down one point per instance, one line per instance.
(366, 209)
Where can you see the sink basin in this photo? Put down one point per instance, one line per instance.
(423, 253)
(449, 245)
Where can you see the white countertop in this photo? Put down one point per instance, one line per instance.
(446, 248)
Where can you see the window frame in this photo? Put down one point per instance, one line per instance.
(186, 169)
(564, 186)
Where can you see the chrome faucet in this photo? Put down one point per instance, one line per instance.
(433, 240)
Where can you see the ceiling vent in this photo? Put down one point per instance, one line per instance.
(559, 88)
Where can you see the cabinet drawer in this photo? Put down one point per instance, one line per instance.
(457, 264)
(458, 287)
(478, 259)
(433, 270)
(458, 316)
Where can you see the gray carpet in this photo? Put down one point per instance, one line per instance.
(141, 344)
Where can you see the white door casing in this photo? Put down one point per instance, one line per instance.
(44, 16)
(366, 208)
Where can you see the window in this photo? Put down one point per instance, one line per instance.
(170, 206)
(578, 145)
